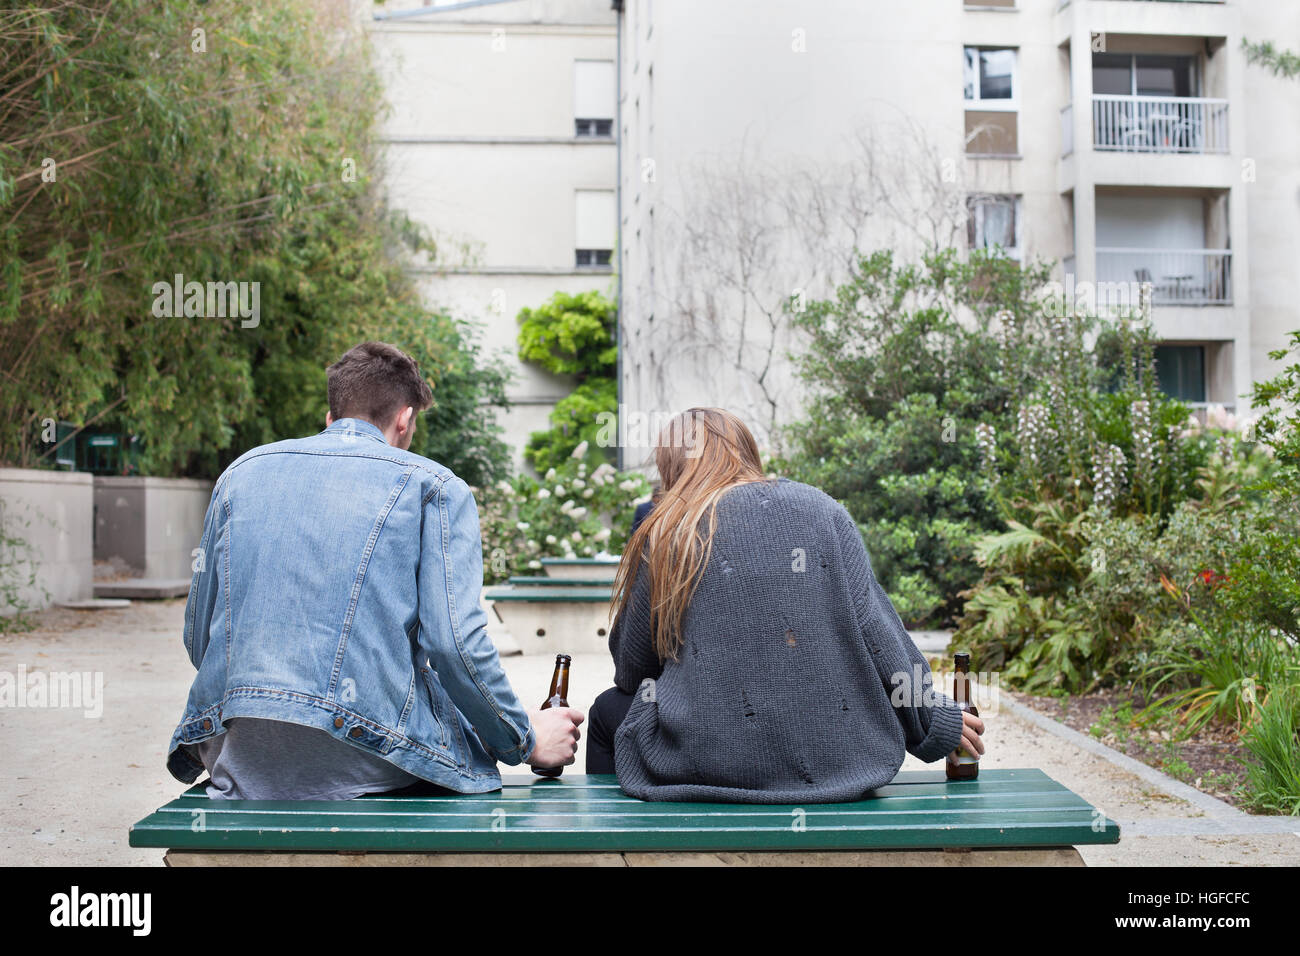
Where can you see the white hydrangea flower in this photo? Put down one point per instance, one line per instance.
(578, 513)
(588, 492)
(602, 535)
(523, 525)
(559, 491)
(550, 474)
(578, 483)
(534, 564)
(543, 493)
(577, 536)
(550, 539)
(580, 451)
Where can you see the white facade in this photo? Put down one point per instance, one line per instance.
(500, 143)
(1129, 140)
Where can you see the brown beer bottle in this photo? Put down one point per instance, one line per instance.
(962, 764)
(558, 697)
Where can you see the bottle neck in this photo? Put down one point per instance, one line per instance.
(961, 687)
(559, 683)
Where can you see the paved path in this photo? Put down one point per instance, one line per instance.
(73, 783)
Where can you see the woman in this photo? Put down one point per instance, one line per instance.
(757, 659)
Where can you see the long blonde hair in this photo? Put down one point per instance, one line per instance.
(700, 454)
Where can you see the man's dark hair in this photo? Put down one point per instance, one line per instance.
(375, 381)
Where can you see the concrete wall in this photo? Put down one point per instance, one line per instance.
(481, 150)
(51, 512)
(153, 524)
(703, 84)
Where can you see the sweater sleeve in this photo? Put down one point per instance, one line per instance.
(630, 642)
(931, 721)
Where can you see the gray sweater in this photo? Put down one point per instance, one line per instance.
(796, 681)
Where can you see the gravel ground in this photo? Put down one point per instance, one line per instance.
(74, 782)
(1209, 760)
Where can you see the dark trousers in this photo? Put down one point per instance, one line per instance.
(602, 721)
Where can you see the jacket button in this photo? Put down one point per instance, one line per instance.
(207, 723)
(354, 732)
(338, 721)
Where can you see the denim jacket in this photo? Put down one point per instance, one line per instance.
(337, 586)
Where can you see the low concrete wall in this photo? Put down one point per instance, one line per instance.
(153, 524)
(52, 512)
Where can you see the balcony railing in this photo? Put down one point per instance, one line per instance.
(1066, 3)
(1177, 276)
(1159, 124)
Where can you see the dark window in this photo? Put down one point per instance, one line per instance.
(593, 127)
(1180, 370)
(1112, 73)
(593, 257)
(1143, 74)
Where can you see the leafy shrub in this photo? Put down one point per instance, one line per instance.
(573, 334)
(576, 421)
(904, 367)
(1093, 480)
(1273, 779)
(572, 511)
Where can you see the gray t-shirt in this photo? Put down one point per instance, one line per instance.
(258, 759)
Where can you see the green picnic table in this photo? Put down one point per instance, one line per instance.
(1016, 817)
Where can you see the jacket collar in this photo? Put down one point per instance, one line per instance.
(356, 427)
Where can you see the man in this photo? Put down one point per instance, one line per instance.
(334, 616)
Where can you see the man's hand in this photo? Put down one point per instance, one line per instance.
(971, 728)
(556, 736)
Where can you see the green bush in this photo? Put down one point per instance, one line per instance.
(1087, 482)
(904, 365)
(1273, 779)
(576, 421)
(573, 335)
(301, 215)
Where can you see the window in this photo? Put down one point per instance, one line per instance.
(592, 257)
(593, 97)
(993, 222)
(992, 94)
(990, 74)
(594, 221)
(1129, 74)
(1180, 370)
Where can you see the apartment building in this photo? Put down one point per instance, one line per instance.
(1129, 140)
(500, 143)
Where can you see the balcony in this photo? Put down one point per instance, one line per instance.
(1187, 277)
(1159, 124)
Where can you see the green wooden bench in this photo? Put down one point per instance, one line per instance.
(1016, 817)
(545, 581)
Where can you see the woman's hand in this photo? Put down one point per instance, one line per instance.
(971, 728)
